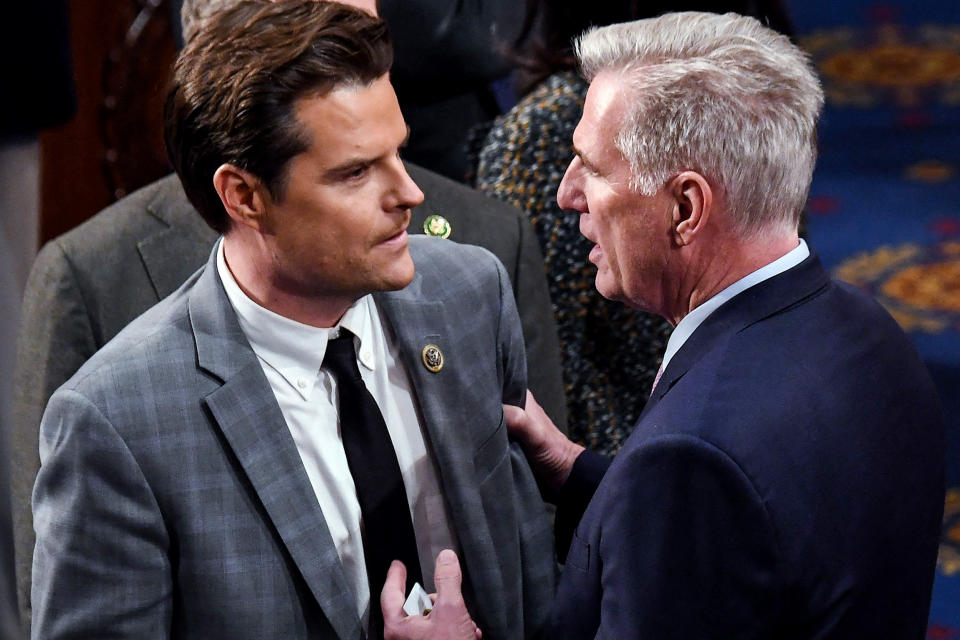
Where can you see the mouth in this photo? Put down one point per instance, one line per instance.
(596, 254)
(398, 239)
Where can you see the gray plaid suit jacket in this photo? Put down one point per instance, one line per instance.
(88, 284)
(171, 500)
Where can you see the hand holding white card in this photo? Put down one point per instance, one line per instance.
(418, 602)
(420, 618)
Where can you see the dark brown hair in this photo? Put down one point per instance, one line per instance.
(234, 87)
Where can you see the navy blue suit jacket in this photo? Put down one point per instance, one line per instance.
(786, 480)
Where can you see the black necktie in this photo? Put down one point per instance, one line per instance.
(387, 527)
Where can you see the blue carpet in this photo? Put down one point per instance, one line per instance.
(884, 209)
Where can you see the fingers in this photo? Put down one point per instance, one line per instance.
(518, 423)
(448, 578)
(449, 619)
(529, 399)
(535, 411)
(450, 615)
(525, 425)
(550, 453)
(392, 596)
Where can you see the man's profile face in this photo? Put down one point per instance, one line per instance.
(339, 231)
(631, 231)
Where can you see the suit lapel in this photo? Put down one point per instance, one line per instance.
(743, 310)
(415, 324)
(247, 413)
(174, 252)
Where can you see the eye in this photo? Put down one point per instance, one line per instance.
(583, 166)
(357, 172)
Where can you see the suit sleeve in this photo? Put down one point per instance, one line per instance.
(55, 338)
(687, 548)
(574, 496)
(101, 566)
(538, 572)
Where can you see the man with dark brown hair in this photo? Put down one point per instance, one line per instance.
(201, 474)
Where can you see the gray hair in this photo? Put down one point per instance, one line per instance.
(721, 95)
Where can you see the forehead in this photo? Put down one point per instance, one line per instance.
(352, 116)
(370, 6)
(603, 112)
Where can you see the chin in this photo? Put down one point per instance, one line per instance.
(607, 289)
(614, 296)
(398, 276)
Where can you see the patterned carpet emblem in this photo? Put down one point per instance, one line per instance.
(919, 286)
(930, 171)
(888, 64)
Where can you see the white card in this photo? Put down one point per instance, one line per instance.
(418, 602)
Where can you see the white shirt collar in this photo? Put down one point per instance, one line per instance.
(695, 318)
(295, 350)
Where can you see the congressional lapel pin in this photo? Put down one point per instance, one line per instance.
(437, 226)
(432, 358)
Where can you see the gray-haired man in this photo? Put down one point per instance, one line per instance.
(785, 480)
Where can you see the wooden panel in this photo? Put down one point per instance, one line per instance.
(122, 53)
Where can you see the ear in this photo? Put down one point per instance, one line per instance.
(693, 205)
(243, 196)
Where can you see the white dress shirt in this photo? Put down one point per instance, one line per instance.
(291, 354)
(695, 318)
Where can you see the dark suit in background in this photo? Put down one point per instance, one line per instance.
(785, 480)
(447, 57)
(91, 282)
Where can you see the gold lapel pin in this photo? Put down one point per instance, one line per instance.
(432, 358)
(437, 226)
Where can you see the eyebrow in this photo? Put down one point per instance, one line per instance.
(359, 161)
(585, 160)
(348, 165)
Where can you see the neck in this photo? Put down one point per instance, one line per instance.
(260, 280)
(712, 271)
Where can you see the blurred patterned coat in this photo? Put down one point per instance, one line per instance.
(610, 352)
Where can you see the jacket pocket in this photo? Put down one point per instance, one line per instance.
(578, 557)
(492, 452)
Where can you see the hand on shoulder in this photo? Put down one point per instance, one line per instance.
(550, 453)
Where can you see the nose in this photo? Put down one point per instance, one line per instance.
(570, 194)
(408, 194)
